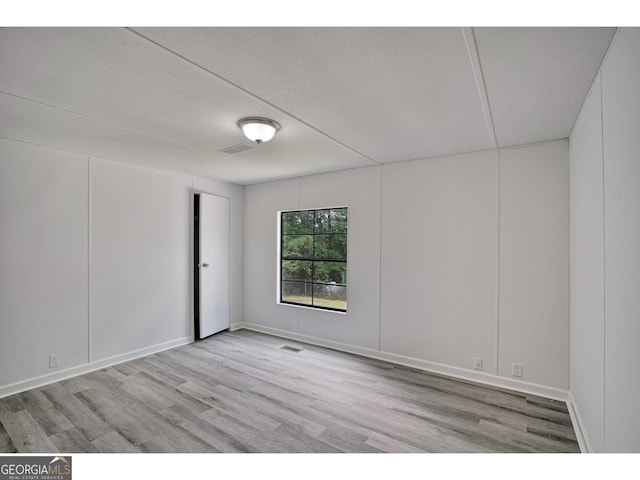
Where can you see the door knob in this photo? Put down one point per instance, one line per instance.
(204, 265)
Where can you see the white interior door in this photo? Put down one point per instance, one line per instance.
(214, 264)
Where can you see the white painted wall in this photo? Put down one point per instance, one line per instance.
(43, 260)
(534, 263)
(439, 263)
(140, 247)
(605, 269)
(439, 258)
(587, 268)
(96, 261)
(359, 191)
(261, 204)
(621, 139)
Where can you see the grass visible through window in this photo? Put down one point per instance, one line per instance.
(318, 302)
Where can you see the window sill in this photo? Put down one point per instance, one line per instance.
(315, 309)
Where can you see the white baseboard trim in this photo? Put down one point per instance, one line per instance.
(43, 380)
(450, 371)
(456, 372)
(578, 425)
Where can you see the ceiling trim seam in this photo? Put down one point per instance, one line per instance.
(244, 90)
(478, 75)
(108, 123)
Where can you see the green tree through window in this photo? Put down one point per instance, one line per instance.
(313, 258)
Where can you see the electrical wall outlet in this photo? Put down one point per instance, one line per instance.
(477, 363)
(516, 369)
(54, 360)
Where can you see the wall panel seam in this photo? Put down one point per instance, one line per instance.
(604, 269)
(569, 237)
(497, 300)
(380, 253)
(89, 324)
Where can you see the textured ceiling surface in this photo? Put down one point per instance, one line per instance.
(345, 97)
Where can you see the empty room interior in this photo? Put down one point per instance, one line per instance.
(319, 239)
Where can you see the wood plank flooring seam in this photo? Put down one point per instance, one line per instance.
(241, 392)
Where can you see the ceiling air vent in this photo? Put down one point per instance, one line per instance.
(241, 147)
(291, 349)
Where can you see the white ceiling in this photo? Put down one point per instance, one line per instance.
(345, 97)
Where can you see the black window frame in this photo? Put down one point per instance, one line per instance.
(312, 258)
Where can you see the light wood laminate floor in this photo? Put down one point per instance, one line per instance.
(243, 392)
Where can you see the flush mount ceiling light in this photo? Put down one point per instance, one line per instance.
(258, 129)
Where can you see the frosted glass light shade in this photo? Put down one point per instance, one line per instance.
(258, 132)
(258, 129)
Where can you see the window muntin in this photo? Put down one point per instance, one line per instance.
(313, 258)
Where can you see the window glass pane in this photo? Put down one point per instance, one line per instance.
(331, 247)
(313, 261)
(297, 246)
(331, 221)
(296, 270)
(330, 296)
(297, 222)
(297, 292)
(330, 272)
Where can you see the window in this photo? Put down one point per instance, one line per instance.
(313, 258)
